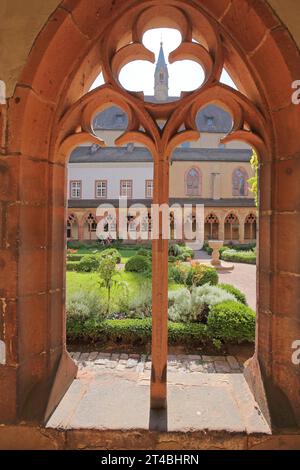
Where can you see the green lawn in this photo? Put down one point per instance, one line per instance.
(137, 283)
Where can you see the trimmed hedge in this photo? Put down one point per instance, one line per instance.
(74, 257)
(248, 257)
(231, 321)
(72, 265)
(89, 263)
(144, 252)
(138, 264)
(234, 291)
(134, 331)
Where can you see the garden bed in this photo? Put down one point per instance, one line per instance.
(134, 335)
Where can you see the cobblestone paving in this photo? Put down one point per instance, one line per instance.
(141, 363)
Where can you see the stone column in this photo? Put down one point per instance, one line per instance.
(221, 228)
(242, 230)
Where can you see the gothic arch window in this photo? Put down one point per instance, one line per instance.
(90, 227)
(231, 228)
(72, 227)
(250, 227)
(239, 182)
(193, 182)
(211, 227)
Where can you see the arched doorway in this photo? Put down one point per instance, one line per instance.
(35, 115)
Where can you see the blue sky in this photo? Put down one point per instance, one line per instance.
(185, 75)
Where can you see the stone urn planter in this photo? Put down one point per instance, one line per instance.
(215, 260)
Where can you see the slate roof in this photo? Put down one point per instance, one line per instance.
(209, 119)
(142, 155)
(93, 203)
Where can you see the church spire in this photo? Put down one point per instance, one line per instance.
(161, 77)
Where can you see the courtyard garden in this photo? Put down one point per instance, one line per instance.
(109, 299)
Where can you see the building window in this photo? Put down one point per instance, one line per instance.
(231, 228)
(193, 182)
(101, 189)
(149, 189)
(239, 183)
(126, 188)
(75, 189)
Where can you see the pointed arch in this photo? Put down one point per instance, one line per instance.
(211, 227)
(250, 227)
(89, 223)
(231, 227)
(72, 227)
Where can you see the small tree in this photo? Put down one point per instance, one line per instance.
(253, 182)
(107, 271)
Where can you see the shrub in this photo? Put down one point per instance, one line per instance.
(248, 257)
(107, 272)
(175, 250)
(205, 297)
(231, 321)
(244, 246)
(84, 306)
(179, 273)
(111, 252)
(183, 257)
(180, 306)
(172, 259)
(234, 291)
(144, 252)
(74, 257)
(138, 264)
(75, 245)
(188, 307)
(89, 263)
(136, 332)
(187, 334)
(188, 252)
(201, 274)
(141, 305)
(72, 265)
